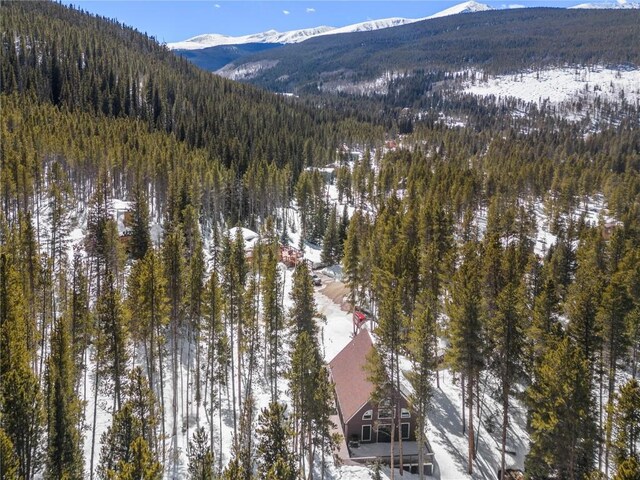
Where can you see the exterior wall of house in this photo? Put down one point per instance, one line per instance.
(354, 426)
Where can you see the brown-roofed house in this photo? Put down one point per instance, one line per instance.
(365, 426)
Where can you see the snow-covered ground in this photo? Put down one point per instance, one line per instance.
(558, 85)
(445, 420)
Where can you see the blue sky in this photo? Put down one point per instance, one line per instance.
(173, 20)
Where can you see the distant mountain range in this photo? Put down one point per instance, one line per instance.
(497, 42)
(209, 40)
(618, 4)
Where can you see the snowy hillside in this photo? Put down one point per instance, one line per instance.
(559, 85)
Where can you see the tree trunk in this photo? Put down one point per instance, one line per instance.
(435, 349)
(612, 378)
(399, 415)
(198, 392)
(471, 434)
(420, 423)
(174, 401)
(505, 426)
(233, 388)
(219, 426)
(117, 367)
(164, 433)
(310, 454)
(95, 415)
(600, 409)
(391, 448)
(464, 405)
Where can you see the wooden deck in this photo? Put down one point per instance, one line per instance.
(370, 452)
(343, 452)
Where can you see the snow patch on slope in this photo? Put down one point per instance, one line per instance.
(246, 71)
(557, 85)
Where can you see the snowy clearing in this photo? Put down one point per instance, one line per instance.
(561, 84)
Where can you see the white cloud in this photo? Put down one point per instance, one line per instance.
(286, 12)
(311, 10)
(217, 5)
(515, 5)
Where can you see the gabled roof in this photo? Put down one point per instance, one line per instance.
(347, 370)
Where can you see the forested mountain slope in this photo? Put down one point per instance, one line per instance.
(501, 41)
(81, 62)
(214, 58)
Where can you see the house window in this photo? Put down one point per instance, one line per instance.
(368, 415)
(405, 413)
(404, 428)
(385, 410)
(366, 433)
(384, 433)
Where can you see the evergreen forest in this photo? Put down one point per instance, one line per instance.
(143, 335)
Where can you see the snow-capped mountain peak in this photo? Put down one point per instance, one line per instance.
(372, 25)
(466, 7)
(270, 36)
(296, 36)
(617, 4)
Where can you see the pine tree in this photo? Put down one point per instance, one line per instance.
(201, 457)
(21, 405)
(125, 445)
(544, 327)
(96, 241)
(64, 452)
(307, 386)
(144, 406)
(9, 465)
(390, 332)
(140, 236)
(111, 345)
(304, 311)
(233, 287)
(581, 305)
(244, 452)
(79, 311)
(148, 305)
(59, 203)
(273, 316)
(611, 316)
(421, 346)
(626, 424)
(141, 466)
(466, 331)
(174, 270)
(628, 470)
(505, 335)
(562, 429)
(281, 470)
(331, 240)
(274, 435)
(218, 352)
(234, 470)
(351, 259)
